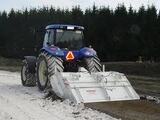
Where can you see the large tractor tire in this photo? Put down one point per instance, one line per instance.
(47, 65)
(92, 64)
(28, 79)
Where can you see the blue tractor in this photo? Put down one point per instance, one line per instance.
(63, 51)
(69, 70)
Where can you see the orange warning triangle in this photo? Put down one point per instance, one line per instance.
(70, 56)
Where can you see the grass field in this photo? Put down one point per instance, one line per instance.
(146, 85)
(134, 68)
(10, 64)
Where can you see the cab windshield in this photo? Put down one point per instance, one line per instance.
(69, 39)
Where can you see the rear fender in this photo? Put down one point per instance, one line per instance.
(88, 52)
(31, 61)
(53, 50)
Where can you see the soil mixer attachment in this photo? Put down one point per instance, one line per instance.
(83, 87)
(73, 71)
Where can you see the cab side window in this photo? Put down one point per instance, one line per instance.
(46, 39)
(51, 37)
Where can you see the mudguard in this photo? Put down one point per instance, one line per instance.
(53, 50)
(88, 52)
(31, 61)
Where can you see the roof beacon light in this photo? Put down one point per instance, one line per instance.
(70, 27)
(70, 56)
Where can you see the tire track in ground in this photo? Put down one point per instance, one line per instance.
(12, 111)
(14, 102)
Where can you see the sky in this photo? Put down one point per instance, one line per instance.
(22, 4)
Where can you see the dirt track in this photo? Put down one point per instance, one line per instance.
(130, 110)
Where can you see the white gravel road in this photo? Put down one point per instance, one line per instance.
(27, 103)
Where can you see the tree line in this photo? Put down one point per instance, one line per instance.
(116, 35)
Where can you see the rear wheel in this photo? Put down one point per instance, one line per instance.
(92, 64)
(47, 65)
(27, 78)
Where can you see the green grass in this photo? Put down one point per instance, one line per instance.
(145, 85)
(134, 68)
(10, 64)
(11, 68)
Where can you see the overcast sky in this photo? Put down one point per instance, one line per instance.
(21, 4)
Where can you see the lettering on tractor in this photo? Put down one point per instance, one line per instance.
(72, 70)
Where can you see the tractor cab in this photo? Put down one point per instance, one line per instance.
(69, 37)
